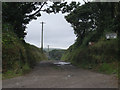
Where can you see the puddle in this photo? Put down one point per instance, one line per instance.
(62, 63)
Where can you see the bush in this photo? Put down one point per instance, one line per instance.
(26, 68)
(17, 56)
(34, 55)
(102, 56)
(105, 51)
(108, 68)
(13, 52)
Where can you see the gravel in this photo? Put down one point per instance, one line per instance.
(47, 75)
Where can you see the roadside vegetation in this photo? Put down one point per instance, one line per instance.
(101, 57)
(90, 21)
(18, 57)
(92, 50)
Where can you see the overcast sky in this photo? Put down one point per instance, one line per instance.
(58, 33)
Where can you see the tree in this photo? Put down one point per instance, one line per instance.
(87, 17)
(83, 19)
(91, 17)
(19, 14)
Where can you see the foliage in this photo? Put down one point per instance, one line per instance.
(17, 57)
(13, 51)
(19, 14)
(64, 7)
(86, 17)
(108, 68)
(34, 55)
(10, 74)
(100, 57)
(56, 54)
(91, 23)
(105, 49)
(91, 17)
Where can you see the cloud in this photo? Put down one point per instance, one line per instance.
(58, 33)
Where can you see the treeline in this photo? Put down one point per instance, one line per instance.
(91, 23)
(56, 54)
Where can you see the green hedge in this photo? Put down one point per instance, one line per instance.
(18, 57)
(101, 56)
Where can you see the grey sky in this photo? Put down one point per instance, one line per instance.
(58, 33)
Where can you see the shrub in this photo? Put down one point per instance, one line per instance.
(17, 56)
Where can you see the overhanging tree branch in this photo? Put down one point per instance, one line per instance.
(37, 10)
(84, 1)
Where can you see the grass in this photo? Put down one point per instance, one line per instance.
(10, 74)
(13, 73)
(18, 57)
(105, 68)
(101, 57)
(108, 68)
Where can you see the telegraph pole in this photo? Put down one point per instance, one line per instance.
(42, 37)
(48, 52)
(48, 48)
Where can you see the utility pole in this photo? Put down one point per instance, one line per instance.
(48, 52)
(42, 37)
(48, 48)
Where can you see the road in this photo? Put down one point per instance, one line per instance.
(47, 75)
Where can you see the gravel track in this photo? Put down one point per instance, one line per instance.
(47, 75)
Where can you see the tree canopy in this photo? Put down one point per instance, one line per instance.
(93, 16)
(83, 18)
(19, 14)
